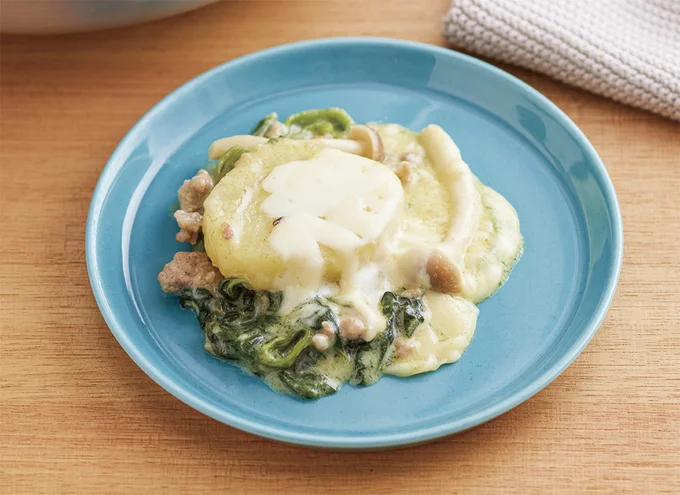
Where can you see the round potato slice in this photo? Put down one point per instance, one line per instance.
(235, 230)
(292, 213)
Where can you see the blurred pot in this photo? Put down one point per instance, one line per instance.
(62, 16)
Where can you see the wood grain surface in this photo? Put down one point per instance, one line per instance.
(78, 416)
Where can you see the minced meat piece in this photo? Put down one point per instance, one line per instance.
(188, 221)
(189, 226)
(194, 192)
(188, 269)
(352, 328)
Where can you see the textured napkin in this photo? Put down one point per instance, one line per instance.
(626, 50)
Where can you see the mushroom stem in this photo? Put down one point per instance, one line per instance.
(465, 199)
(221, 146)
(370, 139)
(346, 145)
(446, 267)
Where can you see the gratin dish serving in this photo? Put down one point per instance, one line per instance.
(513, 140)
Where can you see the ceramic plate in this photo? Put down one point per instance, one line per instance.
(513, 138)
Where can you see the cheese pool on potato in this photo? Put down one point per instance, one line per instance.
(299, 214)
(344, 202)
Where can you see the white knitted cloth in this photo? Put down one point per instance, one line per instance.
(627, 50)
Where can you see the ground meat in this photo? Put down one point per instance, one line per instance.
(194, 191)
(188, 221)
(189, 226)
(187, 236)
(352, 328)
(405, 347)
(327, 329)
(412, 292)
(444, 275)
(227, 231)
(192, 269)
(321, 342)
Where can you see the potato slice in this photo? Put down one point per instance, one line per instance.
(235, 201)
(299, 211)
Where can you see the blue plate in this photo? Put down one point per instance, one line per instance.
(513, 138)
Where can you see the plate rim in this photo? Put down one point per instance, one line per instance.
(381, 440)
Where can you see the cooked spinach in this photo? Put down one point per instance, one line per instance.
(235, 318)
(314, 313)
(371, 357)
(403, 313)
(309, 384)
(305, 380)
(282, 351)
(242, 324)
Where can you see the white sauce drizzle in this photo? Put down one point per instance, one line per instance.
(337, 200)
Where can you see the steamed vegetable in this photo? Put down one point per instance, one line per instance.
(281, 352)
(329, 122)
(403, 315)
(243, 325)
(323, 122)
(305, 380)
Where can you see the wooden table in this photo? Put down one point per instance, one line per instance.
(79, 416)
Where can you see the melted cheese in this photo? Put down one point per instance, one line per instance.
(443, 337)
(343, 202)
(335, 199)
(495, 246)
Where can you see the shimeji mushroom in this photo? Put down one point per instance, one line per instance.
(362, 141)
(372, 146)
(446, 265)
(442, 267)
